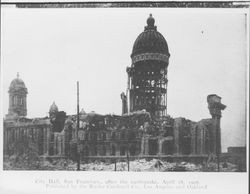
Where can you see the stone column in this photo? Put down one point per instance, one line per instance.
(124, 103)
(15, 140)
(108, 149)
(63, 144)
(193, 140)
(128, 89)
(203, 139)
(177, 128)
(198, 141)
(48, 139)
(51, 142)
(117, 150)
(98, 150)
(144, 145)
(59, 144)
(45, 141)
(160, 142)
(67, 140)
(5, 142)
(215, 106)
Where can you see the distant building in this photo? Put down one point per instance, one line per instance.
(144, 128)
(17, 98)
(236, 155)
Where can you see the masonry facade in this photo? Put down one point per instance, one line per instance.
(136, 134)
(143, 129)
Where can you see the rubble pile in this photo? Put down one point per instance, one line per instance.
(20, 162)
(23, 162)
(57, 164)
(224, 167)
(97, 166)
(158, 165)
(142, 165)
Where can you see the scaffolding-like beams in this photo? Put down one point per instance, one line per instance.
(147, 87)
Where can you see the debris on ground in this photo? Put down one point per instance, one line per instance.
(155, 165)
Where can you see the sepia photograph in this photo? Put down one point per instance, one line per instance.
(124, 89)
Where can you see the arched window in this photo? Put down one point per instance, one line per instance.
(103, 150)
(123, 135)
(113, 150)
(152, 147)
(86, 151)
(132, 150)
(122, 150)
(13, 100)
(104, 136)
(94, 151)
(94, 137)
(16, 100)
(113, 135)
(131, 135)
(168, 147)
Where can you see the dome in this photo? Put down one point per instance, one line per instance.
(82, 112)
(53, 108)
(150, 41)
(17, 83)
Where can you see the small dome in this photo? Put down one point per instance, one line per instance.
(150, 21)
(53, 108)
(150, 41)
(82, 112)
(17, 83)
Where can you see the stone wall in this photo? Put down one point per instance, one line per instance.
(110, 135)
(24, 135)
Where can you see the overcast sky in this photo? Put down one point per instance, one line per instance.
(53, 48)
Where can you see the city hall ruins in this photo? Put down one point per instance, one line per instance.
(143, 130)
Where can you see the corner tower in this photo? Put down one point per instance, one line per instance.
(147, 76)
(17, 98)
(215, 107)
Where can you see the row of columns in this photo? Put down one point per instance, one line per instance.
(196, 140)
(109, 149)
(45, 141)
(164, 146)
(19, 139)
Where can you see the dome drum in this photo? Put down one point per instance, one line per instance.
(150, 56)
(15, 90)
(150, 68)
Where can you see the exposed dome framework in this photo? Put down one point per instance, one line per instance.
(147, 76)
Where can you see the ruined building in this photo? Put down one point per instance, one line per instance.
(143, 130)
(147, 76)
